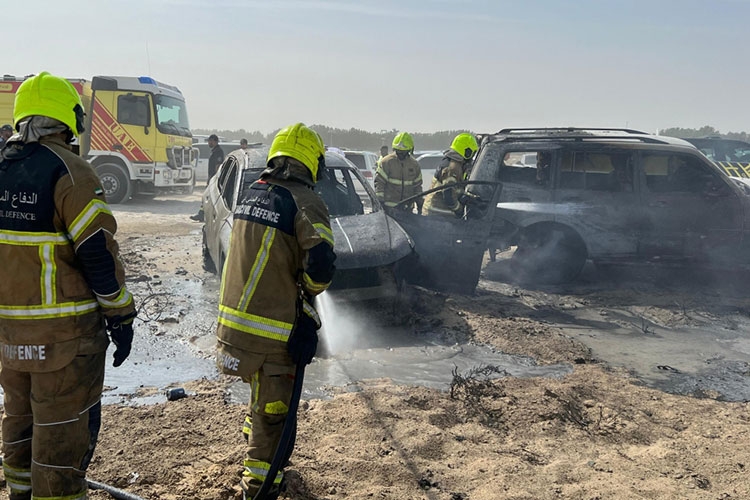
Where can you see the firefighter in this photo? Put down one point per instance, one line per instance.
(453, 168)
(281, 255)
(65, 290)
(399, 176)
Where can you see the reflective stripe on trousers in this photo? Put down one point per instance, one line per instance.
(259, 471)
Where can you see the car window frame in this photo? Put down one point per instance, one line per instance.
(707, 164)
(595, 149)
(221, 182)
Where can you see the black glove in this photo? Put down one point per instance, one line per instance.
(472, 200)
(303, 342)
(121, 332)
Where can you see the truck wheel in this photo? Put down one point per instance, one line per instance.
(208, 262)
(115, 183)
(549, 255)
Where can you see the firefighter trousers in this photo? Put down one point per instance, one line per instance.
(49, 428)
(271, 379)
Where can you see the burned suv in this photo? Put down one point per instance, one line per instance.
(611, 196)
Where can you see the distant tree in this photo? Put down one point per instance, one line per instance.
(705, 131)
(352, 138)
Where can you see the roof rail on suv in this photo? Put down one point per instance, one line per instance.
(572, 133)
(571, 129)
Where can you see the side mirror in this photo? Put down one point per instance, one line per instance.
(715, 189)
(148, 117)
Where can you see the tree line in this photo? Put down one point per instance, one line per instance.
(705, 131)
(353, 138)
(359, 139)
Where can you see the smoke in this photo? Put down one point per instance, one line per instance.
(545, 208)
(345, 327)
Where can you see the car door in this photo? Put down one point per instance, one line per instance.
(222, 201)
(596, 194)
(691, 209)
(449, 250)
(201, 171)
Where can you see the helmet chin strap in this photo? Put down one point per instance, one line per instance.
(80, 115)
(321, 168)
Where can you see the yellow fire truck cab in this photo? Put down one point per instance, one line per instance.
(137, 134)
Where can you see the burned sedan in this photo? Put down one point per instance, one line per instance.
(369, 245)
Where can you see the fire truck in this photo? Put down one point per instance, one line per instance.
(137, 134)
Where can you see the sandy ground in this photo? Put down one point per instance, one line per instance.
(599, 433)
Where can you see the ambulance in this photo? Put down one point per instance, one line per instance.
(137, 134)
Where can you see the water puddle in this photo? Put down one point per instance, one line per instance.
(355, 349)
(426, 366)
(175, 344)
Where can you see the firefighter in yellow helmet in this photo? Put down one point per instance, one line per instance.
(399, 176)
(280, 255)
(66, 284)
(453, 168)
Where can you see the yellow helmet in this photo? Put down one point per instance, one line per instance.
(51, 96)
(403, 142)
(301, 143)
(465, 145)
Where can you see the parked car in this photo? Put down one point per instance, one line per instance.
(428, 162)
(365, 161)
(731, 155)
(612, 197)
(369, 245)
(201, 172)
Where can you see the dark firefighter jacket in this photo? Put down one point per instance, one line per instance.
(61, 272)
(281, 241)
(396, 180)
(450, 171)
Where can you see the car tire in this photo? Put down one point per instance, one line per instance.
(208, 262)
(115, 182)
(549, 254)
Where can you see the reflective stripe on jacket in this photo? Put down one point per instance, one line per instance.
(281, 241)
(58, 232)
(450, 171)
(396, 180)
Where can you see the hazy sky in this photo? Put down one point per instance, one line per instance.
(416, 65)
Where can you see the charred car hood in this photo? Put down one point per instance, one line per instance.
(370, 240)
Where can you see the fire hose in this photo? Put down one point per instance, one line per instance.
(283, 449)
(114, 492)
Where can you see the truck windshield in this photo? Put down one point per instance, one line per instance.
(171, 116)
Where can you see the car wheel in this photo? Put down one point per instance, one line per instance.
(549, 255)
(115, 183)
(208, 263)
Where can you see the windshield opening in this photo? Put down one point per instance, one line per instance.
(344, 193)
(171, 116)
